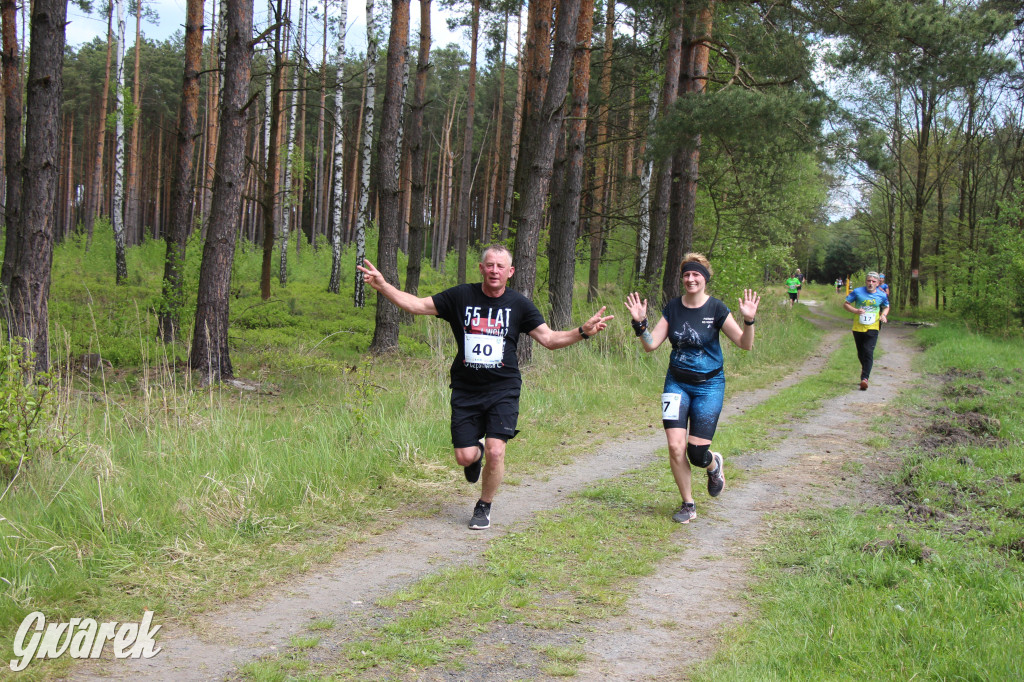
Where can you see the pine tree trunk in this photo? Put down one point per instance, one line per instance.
(338, 186)
(319, 175)
(597, 225)
(418, 152)
(182, 187)
(663, 182)
(210, 339)
(363, 218)
(273, 119)
(565, 205)
(213, 106)
(94, 202)
(687, 162)
(132, 223)
(117, 212)
(465, 182)
(12, 138)
(540, 156)
(31, 271)
(517, 128)
(385, 333)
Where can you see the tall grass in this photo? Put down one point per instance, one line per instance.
(173, 497)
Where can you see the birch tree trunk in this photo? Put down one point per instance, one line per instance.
(385, 333)
(338, 186)
(363, 218)
(418, 153)
(182, 187)
(31, 273)
(117, 213)
(289, 201)
(565, 205)
(210, 339)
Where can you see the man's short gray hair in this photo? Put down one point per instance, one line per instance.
(496, 248)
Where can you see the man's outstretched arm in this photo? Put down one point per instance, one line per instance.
(550, 339)
(404, 300)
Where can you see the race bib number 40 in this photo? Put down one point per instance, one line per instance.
(483, 349)
(670, 406)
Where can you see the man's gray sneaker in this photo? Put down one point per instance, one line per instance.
(716, 479)
(481, 516)
(473, 470)
(687, 512)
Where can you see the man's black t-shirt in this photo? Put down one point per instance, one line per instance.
(487, 332)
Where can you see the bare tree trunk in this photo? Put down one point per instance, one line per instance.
(289, 201)
(319, 176)
(132, 221)
(338, 187)
(182, 187)
(12, 138)
(466, 183)
(597, 225)
(363, 218)
(270, 175)
(385, 333)
(210, 339)
(117, 213)
(517, 128)
(541, 156)
(212, 107)
(31, 270)
(93, 193)
(418, 152)
(663, 183)
(565, 206)
(681, 240)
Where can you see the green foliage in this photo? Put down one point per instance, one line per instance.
(26, 410)
(987, 289)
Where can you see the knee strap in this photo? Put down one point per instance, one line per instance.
(700, 455)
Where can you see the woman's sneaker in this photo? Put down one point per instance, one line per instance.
(716, 479)
(686, 513)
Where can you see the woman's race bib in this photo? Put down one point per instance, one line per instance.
(670, 406)
(868, 317)
(484, 349)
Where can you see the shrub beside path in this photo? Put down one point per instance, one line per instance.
(675, 617)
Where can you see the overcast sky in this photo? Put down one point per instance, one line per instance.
(84, 27)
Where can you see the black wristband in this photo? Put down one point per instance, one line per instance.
(583, 333)
(639, 327)
(751, 323)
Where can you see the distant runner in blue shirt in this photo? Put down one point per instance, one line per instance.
(871, 306)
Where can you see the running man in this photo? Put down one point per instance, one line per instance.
(872, 309)
(793, 289)
(694, 389)
(486, 319)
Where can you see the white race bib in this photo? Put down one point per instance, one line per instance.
(484, 349)
(670, 406)
(868, 318)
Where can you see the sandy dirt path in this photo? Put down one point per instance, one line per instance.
(676, 615)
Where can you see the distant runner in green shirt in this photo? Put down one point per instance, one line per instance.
(793, 286)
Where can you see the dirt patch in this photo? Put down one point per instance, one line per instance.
(675, 617)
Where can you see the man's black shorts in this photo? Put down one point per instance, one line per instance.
(478, 414)
(792, 295)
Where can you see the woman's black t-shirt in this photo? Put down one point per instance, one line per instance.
(693, 333)
(487, 333)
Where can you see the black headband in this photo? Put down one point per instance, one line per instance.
(694, 266)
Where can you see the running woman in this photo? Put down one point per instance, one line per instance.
(486, 319)
(871, 306)
(694, 384)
